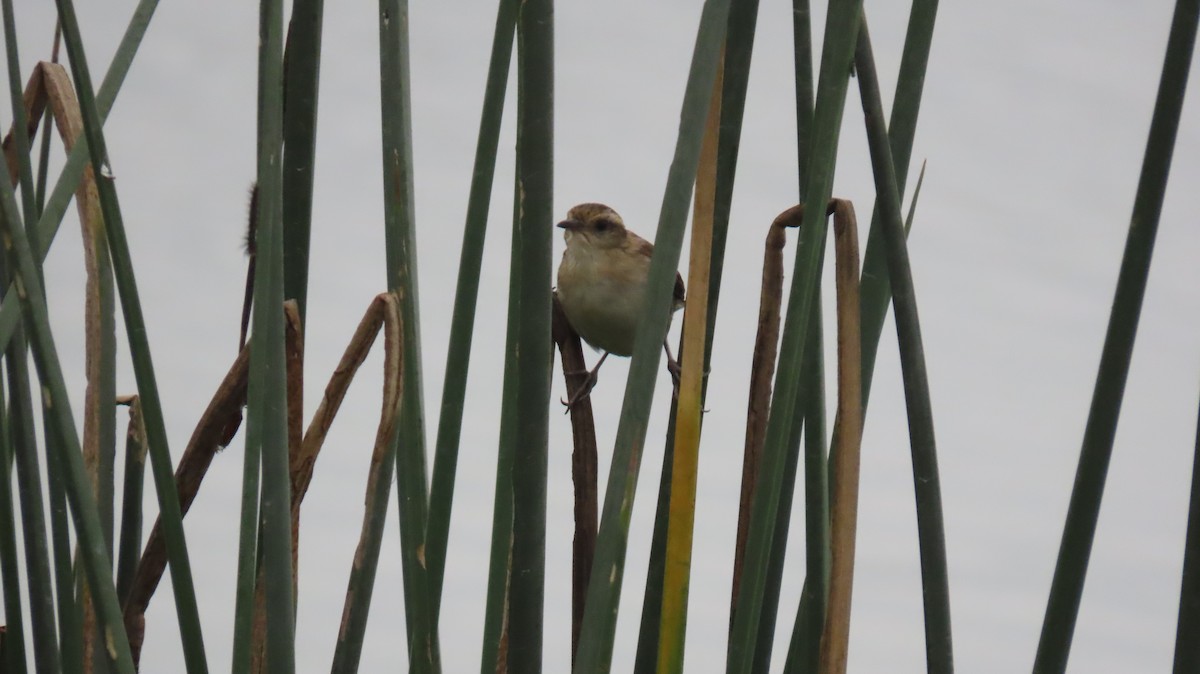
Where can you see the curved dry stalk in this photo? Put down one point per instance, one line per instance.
(847, 437)
(35, 100)
(379, 479)
(762, 370)
(380, 310)
(383, 311)
(845, 455)
(56, 88)
(219, 423)
(49, 85)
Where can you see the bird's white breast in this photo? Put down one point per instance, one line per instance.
(602, 297)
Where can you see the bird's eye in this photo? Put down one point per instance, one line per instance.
(603, 225)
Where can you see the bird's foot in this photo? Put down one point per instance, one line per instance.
(675, 371)
(583, 392)
(585, 388)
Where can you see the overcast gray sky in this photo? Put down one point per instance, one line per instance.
(1034, 122)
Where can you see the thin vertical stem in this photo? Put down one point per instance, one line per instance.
(20, 133)
(302, 76)
(686, 456)
(13, 657)
(535, 173)
(41, 605)
(134, 475)
(1066, 590)
(401, 253)
(902, 129)
(83, 505)
(268, 372)
(494, 658)
(841, 26)
(458, 356)
(69, 625)
(139, 345)
(1187, 631)
(735, 71)
(64, 189)
(595, 646)
(37, 562)
(803, 64)
(939, 652)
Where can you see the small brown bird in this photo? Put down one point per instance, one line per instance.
(602, 284)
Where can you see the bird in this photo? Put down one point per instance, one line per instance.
(602, 285)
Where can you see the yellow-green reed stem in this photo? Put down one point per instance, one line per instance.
(681, 523)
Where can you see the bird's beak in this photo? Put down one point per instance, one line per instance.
(570, 225)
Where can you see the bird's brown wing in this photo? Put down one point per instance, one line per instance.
(644, 247)
(639, 245)
(678, 298)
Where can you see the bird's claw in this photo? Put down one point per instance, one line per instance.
(584, 390)
(675, 371)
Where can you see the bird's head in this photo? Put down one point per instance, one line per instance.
(594, 225)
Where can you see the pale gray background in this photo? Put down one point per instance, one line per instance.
(1034, 123)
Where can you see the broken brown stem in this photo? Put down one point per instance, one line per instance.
(583, 467)
(218, 423)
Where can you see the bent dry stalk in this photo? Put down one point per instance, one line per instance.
(384, 309)
(843, 498)
(846, 451)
